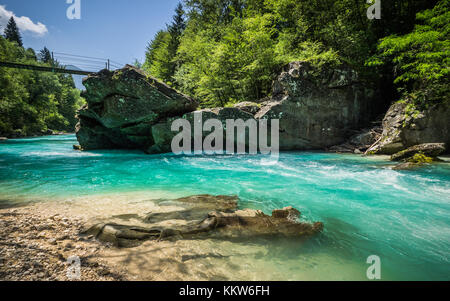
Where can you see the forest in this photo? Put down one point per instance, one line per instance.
(223, 52)
(227, 51)
(33, 103)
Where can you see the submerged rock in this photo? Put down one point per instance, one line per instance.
(206, 216)
(3, 139)
(407, 166)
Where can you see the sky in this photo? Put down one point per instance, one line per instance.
(116, 29)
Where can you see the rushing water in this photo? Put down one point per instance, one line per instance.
(367, 208)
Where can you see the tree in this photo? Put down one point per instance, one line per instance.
(175, 30)
(12, 32)
(32, 102)
(421, 57)
(226, 51)
(161, 56)
(137, 64)
(45, 56)
(157, 60)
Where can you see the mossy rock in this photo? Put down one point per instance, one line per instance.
(420, 158)
(431, 150)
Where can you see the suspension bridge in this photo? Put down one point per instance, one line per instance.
(69, 64)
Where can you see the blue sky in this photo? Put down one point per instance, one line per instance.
(115, 29)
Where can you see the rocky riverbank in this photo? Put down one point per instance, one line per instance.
(164, 239)
(35, 247)
(48, 133)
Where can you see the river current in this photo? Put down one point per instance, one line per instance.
(367, 208)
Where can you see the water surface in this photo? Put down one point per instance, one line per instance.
(367, 208)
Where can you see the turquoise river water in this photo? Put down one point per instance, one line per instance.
(367, 208)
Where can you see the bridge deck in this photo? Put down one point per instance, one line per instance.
(43, 69)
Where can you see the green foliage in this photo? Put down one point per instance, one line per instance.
(237, 67)
(12, 32)
(157, 61)
(175, 30)
(420, 158)
(230, 50)
(45, 56)
(161, 56)
(421, 57)
(33, 102)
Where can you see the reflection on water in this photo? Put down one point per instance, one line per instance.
(368, 209)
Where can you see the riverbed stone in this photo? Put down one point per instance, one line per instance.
(205, 216)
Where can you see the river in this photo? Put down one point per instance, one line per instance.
(367, 208)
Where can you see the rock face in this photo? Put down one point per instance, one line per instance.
(401, 131)
(206, 216)
(123, 106)
(163, 135)
(247, 106)
(317, 108)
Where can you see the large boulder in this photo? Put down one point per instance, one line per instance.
(247, 106)
(317, 109)
(163, 135)
(122, 108)
(402, 129)
(431, 150)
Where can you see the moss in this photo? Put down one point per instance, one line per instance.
(420, 158)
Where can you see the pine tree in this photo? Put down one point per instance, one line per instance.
(12, 32)
(45, 56)
(175, 30)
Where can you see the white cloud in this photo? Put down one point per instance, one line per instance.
(24, 23)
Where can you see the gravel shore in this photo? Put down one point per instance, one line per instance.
(35, 247)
